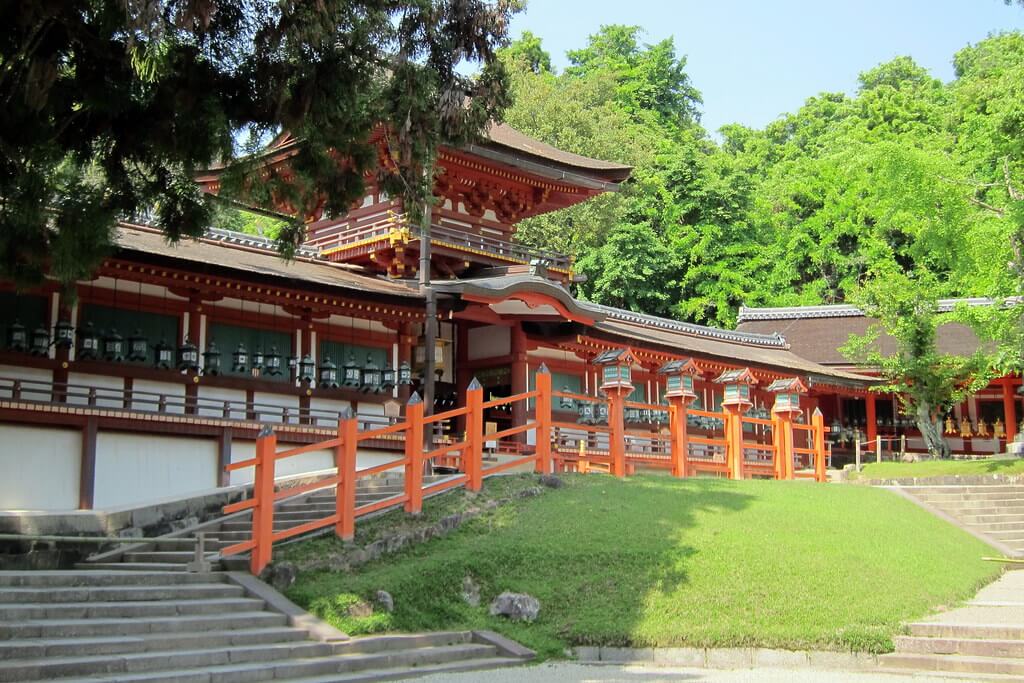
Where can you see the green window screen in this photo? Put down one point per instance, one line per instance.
(339, 353)
(155, 327)
(29, 310)
(228, 337)
(559, 382)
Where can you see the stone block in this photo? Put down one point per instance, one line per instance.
(730, 658)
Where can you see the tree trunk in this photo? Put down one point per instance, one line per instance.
(931, 431)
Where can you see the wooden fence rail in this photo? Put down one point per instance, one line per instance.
(767, 449)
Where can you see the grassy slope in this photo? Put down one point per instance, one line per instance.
(652, 561)
(939, 468)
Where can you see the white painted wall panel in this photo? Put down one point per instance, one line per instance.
(307, 462)
(175, 394)
(109, 390)
(273, 403)
(211, 400)
(489, 341)
(30, 390)
(136, 468)
(39, 468)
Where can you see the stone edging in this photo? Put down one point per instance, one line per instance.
(728, 658)
(946, 480)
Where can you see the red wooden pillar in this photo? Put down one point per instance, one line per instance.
(473, 460)
(543, 417)
(734, 440)
(617, 430)
(345, 461)
(518, 379)
(414, 455)
(87, 468)
(818, 423)
(263, 512)
(678, 443)
(872, 426)
(1009, 409)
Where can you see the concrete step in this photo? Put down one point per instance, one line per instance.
(992, 647)
(1004, 535)
(73, 628)
(83, 594)
(995, 631)
(992, 518)
(122, 644)
(402, 641)
(324, 668)
(954, 663)
(127, 609)
(998, 526)
(91, 577)
(404, 674)
(969, 488)
(160, 556)
(59, 667)
(137, 566)
(993, 498)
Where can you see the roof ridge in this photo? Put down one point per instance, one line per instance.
(774, 340)
(848, 310)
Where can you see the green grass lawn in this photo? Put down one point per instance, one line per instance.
(652, 561)
(940, 468)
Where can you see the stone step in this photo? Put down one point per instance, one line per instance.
(402, 641)
(1006, 535)
(992, 498)
(954, 663)
(991, 647)
(160, 556)
(91, 577)
(992, 518)
(979, 509)
(137, 566)
(404, 674)
(994, 631)
(73, 628)
(122, 644)
(968, 488)
(82, 594)
(127, 609)
(60, 667)
(324, 668)
(990, 527)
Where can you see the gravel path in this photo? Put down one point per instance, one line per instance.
(566, 672)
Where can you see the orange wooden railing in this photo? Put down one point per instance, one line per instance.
(769, 449)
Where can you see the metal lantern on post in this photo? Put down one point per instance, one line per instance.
(272, 362)
(188, 356)
(211, 359)
(40, 342)
(737, 388)
(616, 369)
(387, 378)
(371, 379)
(351, 373)
(138, 347)
(63, 334)
(239, 358)
(163, 356)
(307, 369)
(404, 374)
(113, 346)
(17, 337)
(787, 395)
(328, 374)
(565, 403)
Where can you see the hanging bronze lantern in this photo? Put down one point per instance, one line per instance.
(565, 403)
(63, 334)
(404, 374)
(17, 337)
(40, 342)
(328, 374)
(307, 369)
(211, 359)
(163, 356)
(272, 362)
(371, 379)
(351, 373)
(188, 356)
(387, 378)
(113, 346)
(239, 359)
(138, 347)
(88, 343)
(258, 360)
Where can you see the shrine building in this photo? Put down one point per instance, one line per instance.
(171, 359)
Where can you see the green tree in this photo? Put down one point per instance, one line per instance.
(527, 51)
(927, 382)
(109, 109)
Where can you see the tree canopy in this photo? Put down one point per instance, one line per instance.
(109, 109)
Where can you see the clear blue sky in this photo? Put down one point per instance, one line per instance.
(755, 59)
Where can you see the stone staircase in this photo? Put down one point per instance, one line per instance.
(160, 626)
(995, 511)
(225, 531)
(983, 640)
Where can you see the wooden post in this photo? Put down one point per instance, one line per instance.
(263, 492)
(783, 421)
(473, 455)
(224, 457)
(778, 447)
(542, 414)
(87, 466)
(616, 432)
(878, 451)
(878, 447)
(1009, 409)
(345, 461)
(734, 441)
(818, 423)
(871, 418)
(678, 443)
(414, 455)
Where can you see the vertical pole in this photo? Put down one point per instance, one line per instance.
(518, 379)
(1009, 409)
(263, 492)
(414, 455)
(224, 457)
(872, 421)
(856, 451)
(542, 415)
(778, 447)
(616, 432)
(903, 445)
(878, 451)
(878, 446)
(678, 442)
(473, 455)
(734, 441)
(345, 460)
(818, 423)
(87, 467)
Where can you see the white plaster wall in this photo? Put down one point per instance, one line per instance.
(211, 401)
(109, 390)
(328, 405)
(175, 394)
(489, 341)
(135, 468)
(30, 390)
(267, 401)
(307, 462)
(39, 468)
